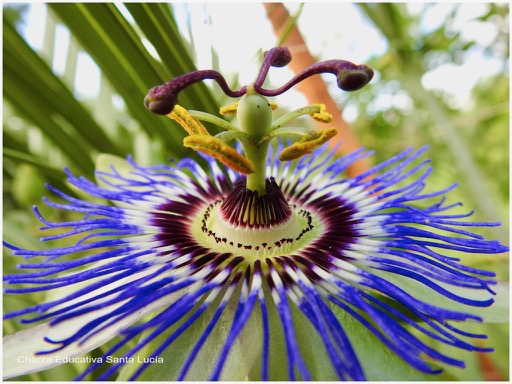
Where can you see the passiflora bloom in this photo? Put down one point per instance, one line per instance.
(271, 266)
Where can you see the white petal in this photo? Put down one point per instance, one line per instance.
(19, 349)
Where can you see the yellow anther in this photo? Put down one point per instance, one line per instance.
(273, 105)
(307, 144)
(218, 149)
(322, 116)
(183, 118)
(229, 109)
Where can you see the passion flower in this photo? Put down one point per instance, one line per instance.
(269, 267)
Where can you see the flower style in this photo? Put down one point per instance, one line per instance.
(267, 268)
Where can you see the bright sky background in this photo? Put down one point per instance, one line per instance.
(237, 31)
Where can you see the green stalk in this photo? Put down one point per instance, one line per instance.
(257, 154)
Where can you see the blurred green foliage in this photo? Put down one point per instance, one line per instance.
(462, 139)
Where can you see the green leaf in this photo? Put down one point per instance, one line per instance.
(28, 186)
(119, 52)
(157, 24)
(379, 363)
(106, 162)
(498, 312)
(499, 340)
(15, 231)
(33, 87)
(474, 370)
(242, 357)
(245, 358)
(43, 167)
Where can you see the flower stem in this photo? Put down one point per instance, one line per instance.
(254, 114)
(257, 154)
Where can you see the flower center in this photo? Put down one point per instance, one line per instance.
(254, 218)
(246, 208)
(255, 226)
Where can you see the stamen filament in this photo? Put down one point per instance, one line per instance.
(309, 110)
(203, 116)
(287, 131)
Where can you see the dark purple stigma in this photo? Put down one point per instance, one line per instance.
(161, 99)
(351, 77)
